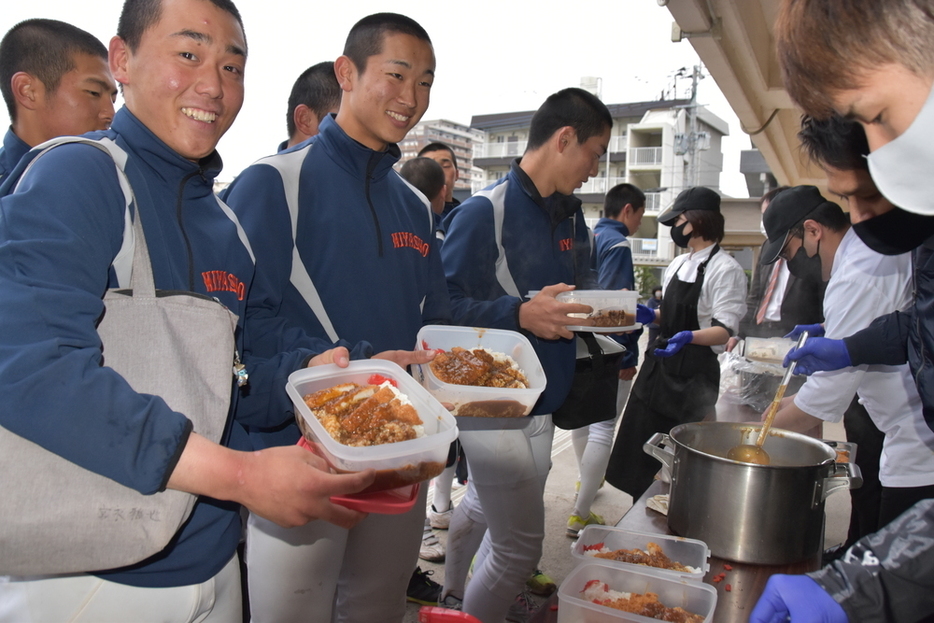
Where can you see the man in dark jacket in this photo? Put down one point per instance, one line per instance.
(526, 232)
(623, 209)
(361, 263)
(55, 82)
(60, 235)
(797, 302)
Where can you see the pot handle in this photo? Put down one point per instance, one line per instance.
(653, 447)
(845, 476)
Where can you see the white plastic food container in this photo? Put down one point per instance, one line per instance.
(689, 552)
(396, 464)
(695, 597)
(471, 401)
(767, 349)
(604, 303)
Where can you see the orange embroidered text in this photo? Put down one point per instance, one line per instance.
(405, 239)
(222, 281)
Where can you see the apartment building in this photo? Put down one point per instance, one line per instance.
(459, 137)
(660, 146)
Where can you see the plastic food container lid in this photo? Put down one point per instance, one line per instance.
(389, 502)
(397, 464)
(688, 552)
(767, 349)
(695, 597)
(482, 402)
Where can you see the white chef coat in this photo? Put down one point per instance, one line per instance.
(864, 285)
(723, 295)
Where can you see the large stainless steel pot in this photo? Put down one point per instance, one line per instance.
(763, 514)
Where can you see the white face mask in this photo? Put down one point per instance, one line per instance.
(762, 229)
(900, 167)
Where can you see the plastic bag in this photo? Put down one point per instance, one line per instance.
(746, 387)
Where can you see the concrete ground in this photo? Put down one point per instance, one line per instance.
(610, 503)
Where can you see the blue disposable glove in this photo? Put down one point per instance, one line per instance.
(644, 315)
(675, 343)
(814, 330)
(817, 355)
(798, 598)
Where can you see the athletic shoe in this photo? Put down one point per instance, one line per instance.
(422, 589)
(432, 550)
(576, 523)
(522, 608)
(451, 603)
(540, 584)
(442, 520)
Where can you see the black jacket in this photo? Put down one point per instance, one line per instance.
(803, 303)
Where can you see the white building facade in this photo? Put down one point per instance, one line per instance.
(662, 147)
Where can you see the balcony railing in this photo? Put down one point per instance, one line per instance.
(598, 185)
(653, 202)
(617, 144)
(644, 247)
(645, 157)
(517, 148)
(512, 149)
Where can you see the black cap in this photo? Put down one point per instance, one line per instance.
(787, 209)
(696, 198)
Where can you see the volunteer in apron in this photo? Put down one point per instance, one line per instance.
(703, 302)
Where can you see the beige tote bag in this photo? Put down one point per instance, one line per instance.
(57, 517)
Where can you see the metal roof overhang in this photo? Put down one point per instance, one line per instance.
(734, 40)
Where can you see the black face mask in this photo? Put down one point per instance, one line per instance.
(895, 232)
(804, 267)
(679, 237)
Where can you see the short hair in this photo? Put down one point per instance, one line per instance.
(619, 196)
(138, 16)
(656, 289)
(573, 107)
(706, 224)
(835, 141)
(43, 48)
(823, 45)
(424, 174)
(828, 214)
(366, 37)
(767, 197)
(318, 89)
(438, 146)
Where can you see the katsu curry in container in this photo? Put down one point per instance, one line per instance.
(481, 372)
(372, 414)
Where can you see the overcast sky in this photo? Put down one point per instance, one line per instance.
(492, 56)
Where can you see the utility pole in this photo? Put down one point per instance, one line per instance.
(690, 143)
(696, 77)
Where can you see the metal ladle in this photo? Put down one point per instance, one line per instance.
(749, 453)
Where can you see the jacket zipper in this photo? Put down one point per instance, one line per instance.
(181, 226)
(371, 164)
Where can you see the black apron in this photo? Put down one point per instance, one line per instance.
(667, 391)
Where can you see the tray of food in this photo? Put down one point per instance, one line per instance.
(767, 349)
(614, 311)
(598, 592)
(481, 372)
(372, 414)
(666, 555)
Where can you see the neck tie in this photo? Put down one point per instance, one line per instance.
(760, 315)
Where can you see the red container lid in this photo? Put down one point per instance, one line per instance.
(389, 502)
